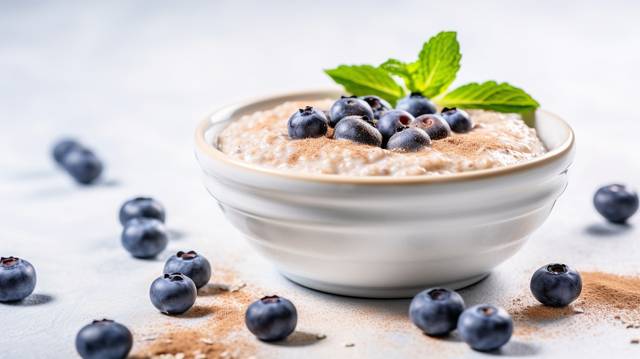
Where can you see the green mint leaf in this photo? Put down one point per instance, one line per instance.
(361, 80)
(400, 69)
(437, 65)
(490, 95)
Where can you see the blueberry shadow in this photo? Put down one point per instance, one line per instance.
(32, 300)
(108, 183)
(607, 229)
(452, 337)
(176, 234)
(516, 348)
(197, 311)
(299, 339)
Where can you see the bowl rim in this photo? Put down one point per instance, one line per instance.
(214, 153)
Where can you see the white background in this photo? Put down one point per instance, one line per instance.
(132, 79)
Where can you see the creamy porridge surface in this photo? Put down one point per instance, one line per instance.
(261, 138)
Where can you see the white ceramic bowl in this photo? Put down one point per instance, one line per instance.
(384, 236)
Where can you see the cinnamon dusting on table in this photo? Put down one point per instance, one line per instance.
(604, 297)
(223, 304)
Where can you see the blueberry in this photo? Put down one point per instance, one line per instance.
(434, 125)
(190, 264)
(350, 106)
(485, 327)
(436, 310)
(17, 279)
(458, 120)
(173, 293)
(416, 104)
(104, 339)
(271, 318)
(393, 121)
(83, 165)
(355, 129)
(62, 147)
(556, 285)
(616, 202)
(144, 237)
(307, 123)
(378, 105)
(141, 207)
(412, 139)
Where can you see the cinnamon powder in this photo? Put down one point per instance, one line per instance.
(604, 297)
(467, 145)
(222, 304)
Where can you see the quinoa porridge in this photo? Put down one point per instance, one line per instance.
(261, 138)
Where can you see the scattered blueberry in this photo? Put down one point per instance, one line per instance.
(173, 293)
(378, 105)
(83, 165)
(62, 147)
(307, 123)
(350, 106)
(355, 129)
(556, 285)
(616, 202)
(458, 120)
(416, 104)
(141, 207)
(190, 264)
(17, 279)
(393, 121)
(410, 140)
(144, 237)
(436, 310)
(434, 125)
(271, 318)
(485, 327)
(104, 339)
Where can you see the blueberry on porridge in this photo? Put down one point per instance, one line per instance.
(357, 129)
(350, 106)
(393, 121)
(417, 105)
(434, 125)
(411, 140)
(378, 105)
(458, 120)
(307, 123)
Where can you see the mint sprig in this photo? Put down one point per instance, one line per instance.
(366, 79)
(402, 70)
(489, 95)
(436, 67)
(431, 75)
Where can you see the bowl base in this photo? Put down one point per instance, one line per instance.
(377, 292)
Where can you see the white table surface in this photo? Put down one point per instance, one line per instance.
(132, 79)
